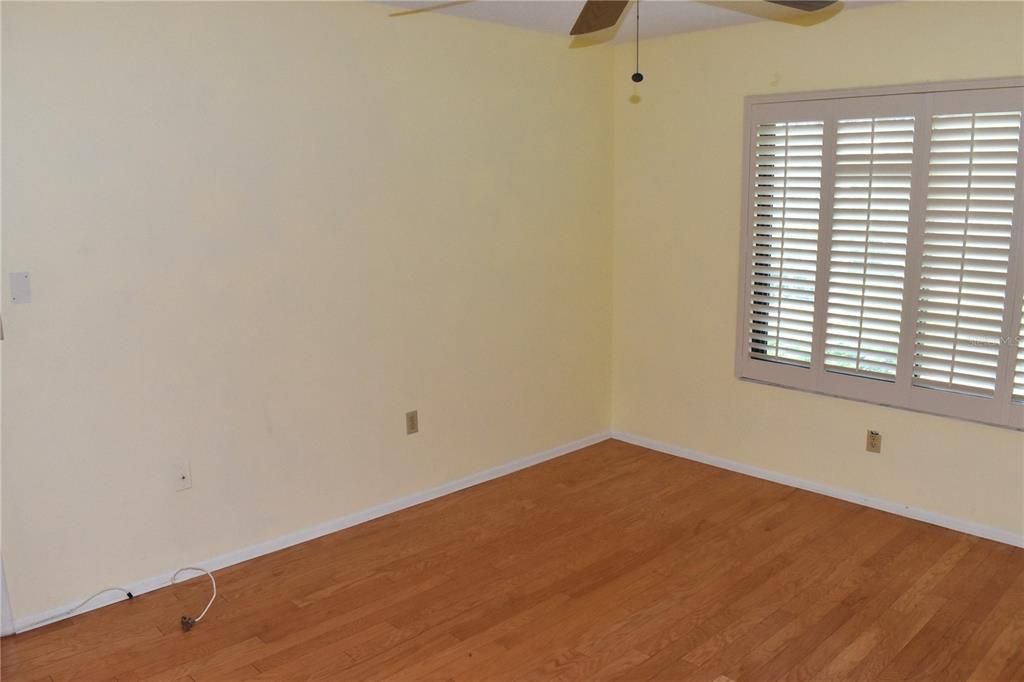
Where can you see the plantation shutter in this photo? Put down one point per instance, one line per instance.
(882, 254)
(1018, 376)
(786, 185)
(965, 259)
(868, 254)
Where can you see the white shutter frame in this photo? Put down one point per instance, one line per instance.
(990, 410)
(959, 97)
(1013, 331)
(848, 385)
(915, 242)
(747, 367)
(1013, 325)
(828, 179)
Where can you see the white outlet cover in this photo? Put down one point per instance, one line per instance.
(21, 287)
(183, 476)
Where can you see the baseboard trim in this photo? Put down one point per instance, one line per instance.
(934, 518)
(306, 534)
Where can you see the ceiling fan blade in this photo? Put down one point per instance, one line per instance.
(779, 10)
(805, 5)
(429, 8)
(598, 15)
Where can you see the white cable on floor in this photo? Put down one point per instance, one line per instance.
(68, 612)
(186, 621)
(89, 599)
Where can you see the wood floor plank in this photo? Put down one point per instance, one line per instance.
(1008, 594)
(929, 653)
(614, 562)
(869, 590)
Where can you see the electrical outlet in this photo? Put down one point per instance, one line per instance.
(21, 287)
(183, 476)
(412, 422)
(874, 442)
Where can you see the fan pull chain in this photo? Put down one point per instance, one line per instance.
(637, 76)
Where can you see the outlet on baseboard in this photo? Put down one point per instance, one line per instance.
(874, 442)
(183, 476)
(412, 422)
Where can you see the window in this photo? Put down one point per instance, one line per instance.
(883, 247)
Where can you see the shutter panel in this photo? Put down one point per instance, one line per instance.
(787, 199)
(868, 254)
(972, 178)
(1018, 376)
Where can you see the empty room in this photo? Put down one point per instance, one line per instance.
(512, 340)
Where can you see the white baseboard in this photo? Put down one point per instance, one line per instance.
(6, 615)
(934, 518)
(299, 536)
(354, 519)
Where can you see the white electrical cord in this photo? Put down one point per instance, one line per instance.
(89, 599)
(68, 612)
(186, 621)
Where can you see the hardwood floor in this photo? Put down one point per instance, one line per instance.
(613, 562)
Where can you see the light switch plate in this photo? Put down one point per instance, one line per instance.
(21, 287)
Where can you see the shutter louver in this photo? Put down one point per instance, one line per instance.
(868, 254)
(965, 260)
(787, 198)
(1018, 375)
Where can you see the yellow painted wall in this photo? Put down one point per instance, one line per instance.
(678, 155)
(258, 234)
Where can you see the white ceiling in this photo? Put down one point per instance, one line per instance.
(657, 17)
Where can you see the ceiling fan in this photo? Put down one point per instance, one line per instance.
(597, 15)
